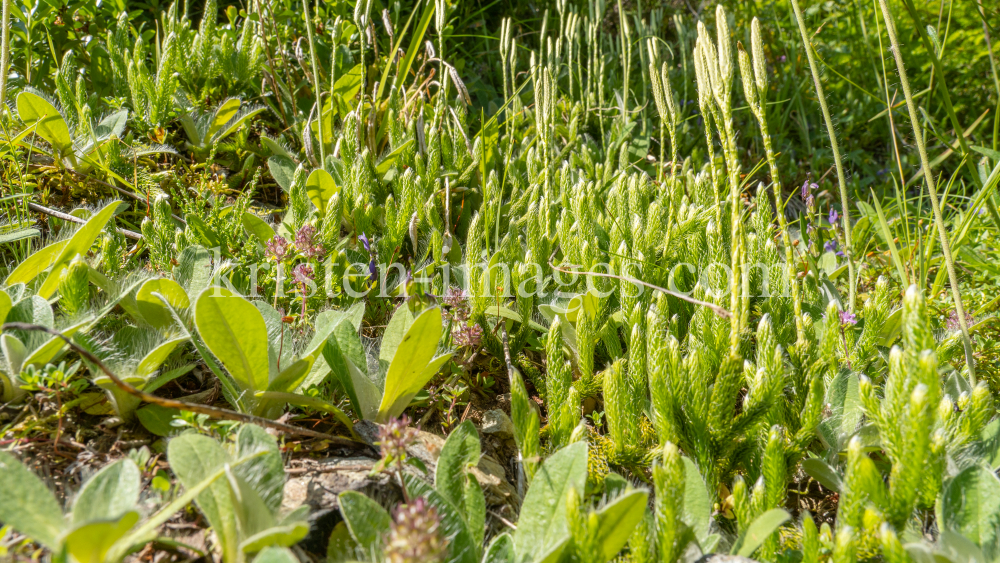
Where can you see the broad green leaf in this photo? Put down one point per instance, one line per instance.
(341, 548)
(91, 540)
(970, 506)
(238, 120)
(266, 473)
(413, 385)
(194, 458)
(34, 265)
(759, 530)
(617, 520)
(194, 269)
(157, 419)
(348, 85)
(320, 187)
(697, 510)
(252, 515)
(290, 377)
(206, 235)
(409, 366)
(45, 120)
(276, 555)
(284, 535)
(500, 550)
(155, 358)
(109, 494)
(225, 112)
(27, 505)
(401, 321)
(50, 350)
(386, 163)
(14, 352)
(460, 451)
(367, 521)
(462, 545)
(542, 525)
(282, 170)
(257, 227)
(112, 125)
(79, 243)
(274, 146)
(823, 472)
(152, 308)
(234, 330)
(343, 349)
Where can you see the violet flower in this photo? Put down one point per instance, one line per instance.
(834, 216)
(394, 437)
(306, 243)
(807, 189)
(848, 318)
(277, 248)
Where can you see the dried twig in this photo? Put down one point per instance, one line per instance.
(213, 412)
(67, 217)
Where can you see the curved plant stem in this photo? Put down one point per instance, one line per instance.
(918, 136)
(841, 180)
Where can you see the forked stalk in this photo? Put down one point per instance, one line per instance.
(918, 137)
(841, 180)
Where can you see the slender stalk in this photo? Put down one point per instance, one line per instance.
(4, 53)
(841, 180)
(319, 89)
(918, 136)
(989, 49)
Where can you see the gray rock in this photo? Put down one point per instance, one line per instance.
(497, 423)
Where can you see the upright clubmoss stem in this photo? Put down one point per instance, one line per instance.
(316, 85)
(918, 136)
(841, 180)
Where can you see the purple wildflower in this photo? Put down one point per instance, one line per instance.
(304, 241)
(394, 437)
(848, 318)
(364, 240)
(302, 274)
(277, 248)
(415, 534)
(834, 216)
(468, 335)
(807, 189)
(830, 246)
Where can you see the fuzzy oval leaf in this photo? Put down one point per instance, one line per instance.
(155, 358)
(970, 505)
(762, 527)
(542, 526)
(462, 544)
(152, 308)
(617, 520)
(697, 511)
(460, 450)
(282, 170)
(320, 187)
(42, 117)
(109, 494)
(367, 521)
(27, 505)
(257, 227)
(91, 541)
(234, 330)
(194, 458)
(276, 555)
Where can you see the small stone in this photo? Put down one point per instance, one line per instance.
(497, 422)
